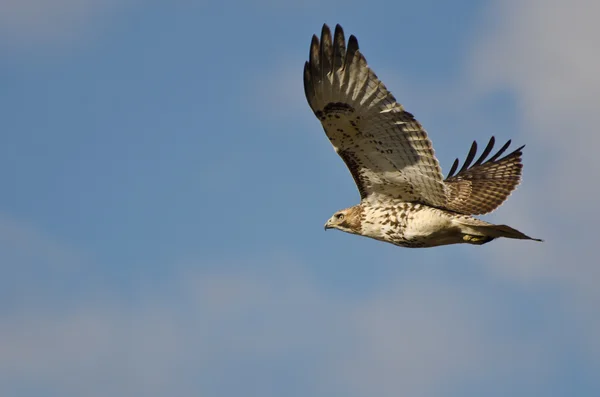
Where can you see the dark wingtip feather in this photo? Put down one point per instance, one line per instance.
(352, 43)
(313, 55)
(309, 90)
(314, 41)
(351, 50)
(470, 157)
(453, 169)
(482, 158)
(313, 59)
(339, 47)
(326, 51)
(499, 153)
(339, 32)
(486, 151)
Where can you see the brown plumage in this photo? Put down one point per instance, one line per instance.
(484, 186)
(404, 198)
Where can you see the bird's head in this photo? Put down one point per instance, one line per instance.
(346, 220)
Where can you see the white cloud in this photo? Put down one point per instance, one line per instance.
(429, 339)
(414, 337)
(546, 53)
(192, 331)
(23, 244)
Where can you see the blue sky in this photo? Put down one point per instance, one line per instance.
(166, 186)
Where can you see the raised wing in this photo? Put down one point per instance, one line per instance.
(386, 150)
(482, 187)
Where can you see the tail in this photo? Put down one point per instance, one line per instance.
(496, 231)
(480, 232)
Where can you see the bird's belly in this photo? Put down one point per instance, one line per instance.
(417, 226)
(430, 228)
(426, 222)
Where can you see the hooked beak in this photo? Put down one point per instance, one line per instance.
(327, 226)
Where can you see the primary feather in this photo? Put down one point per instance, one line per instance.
(385, 148)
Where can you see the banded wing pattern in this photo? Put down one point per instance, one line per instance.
(386, 150)
(482, 187)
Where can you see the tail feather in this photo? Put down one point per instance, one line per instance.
(496, 231)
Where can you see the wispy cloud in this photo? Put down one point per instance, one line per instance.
(274, 329)
(431, 339)
(196, 329)
(25, 244)
(419, 341)
(551, 67)
(546, 54)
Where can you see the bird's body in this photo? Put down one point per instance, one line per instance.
(416, 225)
(404, 198)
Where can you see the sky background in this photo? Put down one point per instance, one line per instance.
(165, 187)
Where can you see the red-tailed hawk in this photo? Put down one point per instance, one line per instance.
(405, 199)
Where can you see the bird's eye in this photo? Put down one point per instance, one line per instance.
(339, 217)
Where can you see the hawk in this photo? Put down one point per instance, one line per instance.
(405, 199)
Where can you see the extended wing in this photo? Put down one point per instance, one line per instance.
(482, 187)
(386, 150)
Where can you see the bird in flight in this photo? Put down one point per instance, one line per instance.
(405, 199)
